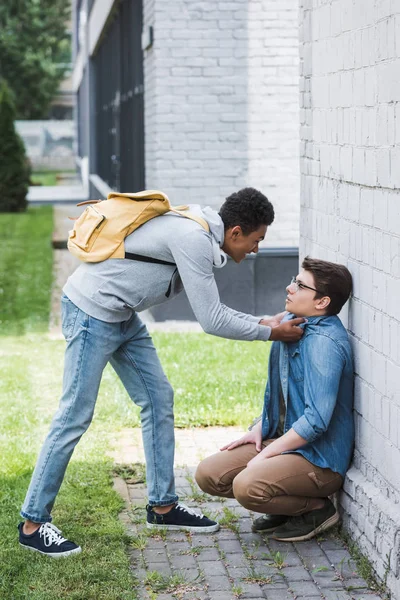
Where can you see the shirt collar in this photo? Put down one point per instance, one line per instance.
(309, 320)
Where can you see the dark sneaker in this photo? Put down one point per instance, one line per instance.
(308, 525)
(48, 540)
(267, 523)
(180, 517)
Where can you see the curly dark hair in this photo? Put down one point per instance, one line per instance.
(248, 208)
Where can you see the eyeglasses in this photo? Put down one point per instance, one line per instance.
(302, 286)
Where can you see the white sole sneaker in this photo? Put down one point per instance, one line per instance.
(77, 550)
(209, 529)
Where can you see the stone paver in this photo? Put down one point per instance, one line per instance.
(234, 562)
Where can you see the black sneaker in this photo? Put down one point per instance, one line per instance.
(180, 517)
(267, 523)
(306, 526)
(47, 540)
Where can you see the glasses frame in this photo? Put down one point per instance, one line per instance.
(300, 286)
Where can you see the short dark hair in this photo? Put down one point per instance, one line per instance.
(331, 279)
(248, 208)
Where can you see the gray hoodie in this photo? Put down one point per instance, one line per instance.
(113, 289)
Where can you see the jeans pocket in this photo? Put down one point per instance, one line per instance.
(69, 314)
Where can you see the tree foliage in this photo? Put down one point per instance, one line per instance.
(14, 165)
(34, 52)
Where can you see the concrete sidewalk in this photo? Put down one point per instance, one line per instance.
(50, 194)
(234, 562)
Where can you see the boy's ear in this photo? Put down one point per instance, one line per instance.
(323, 303)
(235, 231)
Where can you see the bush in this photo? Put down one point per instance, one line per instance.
(14, 165)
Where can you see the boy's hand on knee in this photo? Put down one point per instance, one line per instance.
(251, 437)
(264, 454)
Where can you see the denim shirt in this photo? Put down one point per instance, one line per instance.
(316, 375)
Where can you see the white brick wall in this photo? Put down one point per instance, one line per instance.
(221, 103)
(350, 213)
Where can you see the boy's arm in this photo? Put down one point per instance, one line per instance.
(267, 321)
(247, 317)
(323, 366)
(289, 441)
(193, 256)
(192, 253)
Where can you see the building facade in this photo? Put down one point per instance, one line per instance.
(197, 99)
(350, 213)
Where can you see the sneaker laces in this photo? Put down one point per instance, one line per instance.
(185, 508)
(51, 535)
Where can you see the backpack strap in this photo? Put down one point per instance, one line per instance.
(148, 259)
(88, 202)
(183, 211)
(180, 210)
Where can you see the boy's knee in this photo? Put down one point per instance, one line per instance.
(204, 479)
(210, 479)
(168, 391)
(249, 493)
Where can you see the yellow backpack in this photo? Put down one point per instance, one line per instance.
(100, 231)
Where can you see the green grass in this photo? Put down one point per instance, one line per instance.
(48, 177)
(364, 566)
(216, 381)
(44, 177)
(25, 270)
(176, 584)
(87, 506)
(30, 379)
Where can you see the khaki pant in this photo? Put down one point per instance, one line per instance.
(281, 485)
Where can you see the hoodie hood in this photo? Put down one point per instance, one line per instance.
(217, 231)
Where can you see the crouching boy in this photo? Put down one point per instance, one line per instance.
(298, 453)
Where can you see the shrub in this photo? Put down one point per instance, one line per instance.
(14, 165)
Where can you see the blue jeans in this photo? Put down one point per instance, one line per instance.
(91, 344)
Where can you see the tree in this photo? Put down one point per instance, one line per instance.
(14, 165)
(34, 52)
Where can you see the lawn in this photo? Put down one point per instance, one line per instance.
(44, 177)
(87, 505)
(216, 382)
(25, 270)
(48, 177)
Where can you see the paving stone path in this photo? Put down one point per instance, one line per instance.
(233, 563)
